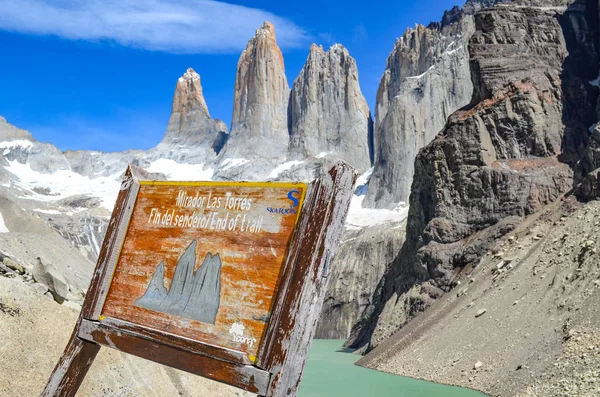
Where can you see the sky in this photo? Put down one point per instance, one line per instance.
(100, 75)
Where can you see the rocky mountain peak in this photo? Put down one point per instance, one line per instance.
(427, 77)
(259, 124)
(188, 94)
(10, 132)
(266, 30)
(328, 113)
(189, 75)
(190, 123)
(314, 48)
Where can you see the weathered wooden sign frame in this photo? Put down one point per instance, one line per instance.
(277, 369)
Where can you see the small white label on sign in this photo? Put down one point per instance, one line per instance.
(237, 332)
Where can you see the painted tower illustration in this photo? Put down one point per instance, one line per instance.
(194, 295)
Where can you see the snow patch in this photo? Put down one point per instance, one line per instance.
(422, 74)
(189, 75)
(50, 212)
(363, 180)
(447, 52)
(65, 183)
(3, 228)
(231, 163)
(282, 167)
(323, 154)
(181, 171)
(452, 51)
(596, 82)
(359, 217)
(17, 143)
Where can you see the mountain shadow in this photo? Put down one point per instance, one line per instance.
(194, 295)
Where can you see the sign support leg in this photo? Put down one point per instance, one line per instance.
(72, 367)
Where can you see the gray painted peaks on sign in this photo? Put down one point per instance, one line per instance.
(194, 295)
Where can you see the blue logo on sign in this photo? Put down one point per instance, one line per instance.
(290, 209)
(294, 199)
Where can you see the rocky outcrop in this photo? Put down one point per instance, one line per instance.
(191, 129)
(18, 145)
(192, 136)
(259, 133)
(328, 114)
(426, 79)
(9, 132)
(495, 162)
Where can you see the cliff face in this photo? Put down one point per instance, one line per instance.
(362, 259)
(190, 125)
(328, 113)
(259, 131)
(504, 157)
(426, 79)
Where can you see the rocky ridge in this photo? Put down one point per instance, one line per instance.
(426, 79)
(506, 156)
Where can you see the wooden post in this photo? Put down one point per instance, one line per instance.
(304, 282)
(79, 354)
(71, 368)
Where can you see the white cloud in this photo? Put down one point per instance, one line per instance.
(178, 26)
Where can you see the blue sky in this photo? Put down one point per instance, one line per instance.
(101, 74)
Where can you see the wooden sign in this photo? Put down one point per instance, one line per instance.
(203, 259)
(222, 279)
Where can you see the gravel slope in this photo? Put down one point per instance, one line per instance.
(34, 331)
(520, 322)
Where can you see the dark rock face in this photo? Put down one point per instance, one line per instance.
(427, 78)
(504, 157)
(191, 295)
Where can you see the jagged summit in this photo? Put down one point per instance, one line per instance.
(190, 124)
(259, 130)
(10, 132)
(189, 75)
(321, 124)
(188, 94)
(314, 47)
(427, 78)
(266, 30)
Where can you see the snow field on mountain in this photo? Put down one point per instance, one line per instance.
(359, 217)
(20, 143)
(283, 167)
(65, 183)
(3, 228)
(181, 172)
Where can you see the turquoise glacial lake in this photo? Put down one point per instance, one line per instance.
(330, 372)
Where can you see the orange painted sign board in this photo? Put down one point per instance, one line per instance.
(203, 260)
